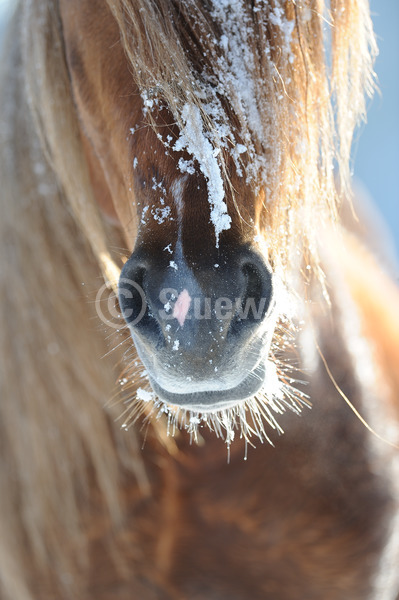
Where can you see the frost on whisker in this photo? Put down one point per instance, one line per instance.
(251, 420)
(144, 395)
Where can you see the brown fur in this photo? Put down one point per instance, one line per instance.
(90, 511)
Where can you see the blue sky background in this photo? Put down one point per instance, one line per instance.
(376, 148)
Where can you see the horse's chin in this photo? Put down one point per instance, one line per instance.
(213, 400)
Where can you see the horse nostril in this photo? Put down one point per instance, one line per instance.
(245, 284)
(131, 295)
(133, 300)
(255, 299)
(253, 284)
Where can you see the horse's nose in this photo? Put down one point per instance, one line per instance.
(227, 300)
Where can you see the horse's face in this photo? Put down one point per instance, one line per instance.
(196, 293)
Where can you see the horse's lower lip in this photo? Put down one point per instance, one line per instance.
(214, 400)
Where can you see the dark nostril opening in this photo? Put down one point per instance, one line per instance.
(131, 295)
(255, 299)
(253, 284)
(134, 303)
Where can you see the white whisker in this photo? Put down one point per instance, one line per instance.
(248, 419)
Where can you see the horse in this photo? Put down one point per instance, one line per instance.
(181, 168)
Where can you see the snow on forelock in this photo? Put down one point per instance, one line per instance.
(278, 18)
(193, 139)
(150, 100)
(234, 77)
(237, 81)
(240, 68)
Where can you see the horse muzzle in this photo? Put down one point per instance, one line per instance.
(202, 332)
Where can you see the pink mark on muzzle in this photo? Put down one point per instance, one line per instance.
(181, 307)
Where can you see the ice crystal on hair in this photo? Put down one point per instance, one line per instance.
(194, 139)
(251, 419)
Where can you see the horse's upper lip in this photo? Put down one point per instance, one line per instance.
(214, 400)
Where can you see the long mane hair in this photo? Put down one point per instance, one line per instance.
(307, 65)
